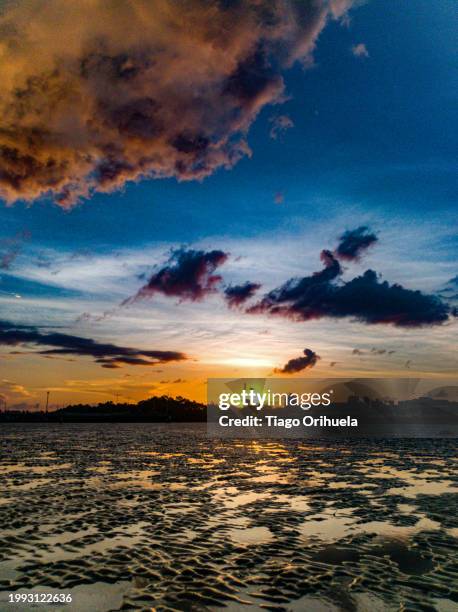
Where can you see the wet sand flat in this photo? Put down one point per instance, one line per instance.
(141, 516)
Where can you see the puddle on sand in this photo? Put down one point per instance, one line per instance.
(445, 605)
(251, 535)
(424, 487)
(341, 524)
(231, 497)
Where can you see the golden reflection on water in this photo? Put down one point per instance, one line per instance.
(293, 523)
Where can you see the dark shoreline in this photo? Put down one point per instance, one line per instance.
(418, 416)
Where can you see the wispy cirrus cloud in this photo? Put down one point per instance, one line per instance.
(104, 280)
(190, 275)
(13, 391)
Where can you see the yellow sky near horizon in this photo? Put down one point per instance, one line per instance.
(26, 378)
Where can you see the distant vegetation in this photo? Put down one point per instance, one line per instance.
(161, 409)
(424, 415)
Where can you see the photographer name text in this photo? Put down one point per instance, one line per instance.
(270, 420)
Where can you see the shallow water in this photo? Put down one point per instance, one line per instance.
(145, 516)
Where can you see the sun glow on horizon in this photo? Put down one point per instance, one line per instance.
(246, 362)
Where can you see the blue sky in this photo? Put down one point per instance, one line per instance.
(378, 132)
(373, 142)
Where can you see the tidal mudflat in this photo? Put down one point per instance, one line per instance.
(134, 517)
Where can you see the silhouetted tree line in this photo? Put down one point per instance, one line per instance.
(161, 409)
(166, 409)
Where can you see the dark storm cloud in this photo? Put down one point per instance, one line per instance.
(288, 299)
(238, 294)
(365, 298)
(109, 355)
(369, 299)
(98, 93)
(354, 242)
(188, 275)
(299, 363)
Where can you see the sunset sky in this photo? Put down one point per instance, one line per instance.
(153, 162)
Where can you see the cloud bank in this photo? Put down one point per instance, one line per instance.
(366, 298)
(98, 93)
(107, 354)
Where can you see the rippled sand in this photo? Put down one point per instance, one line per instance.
(134, 517)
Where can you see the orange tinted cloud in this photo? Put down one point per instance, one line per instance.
(98, 93)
